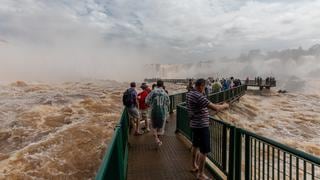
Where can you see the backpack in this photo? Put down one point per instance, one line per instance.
(128, 98)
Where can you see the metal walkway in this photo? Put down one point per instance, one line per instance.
(171, 161)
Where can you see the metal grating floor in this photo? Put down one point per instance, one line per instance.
(171, 161)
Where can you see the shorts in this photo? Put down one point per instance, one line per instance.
(133, 113)
(201, 139)
(144, 114)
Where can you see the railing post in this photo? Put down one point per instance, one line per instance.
(224, 148)
(238, 154)
(231, 154)
(171, 104)
(178, 119)
(248, 158)
(235, 150)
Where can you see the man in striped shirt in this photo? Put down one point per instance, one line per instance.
(198, 112)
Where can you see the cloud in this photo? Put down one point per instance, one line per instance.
(101, 37)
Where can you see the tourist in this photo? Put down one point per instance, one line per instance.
(159, 102)
(143, 107)
(198, 105)
(232, 85)
(216, 86)
(153, 86)
(190, 85)
(130, 100)
(225, 85)
(208, 87)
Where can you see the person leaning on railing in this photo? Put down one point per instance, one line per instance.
(198, 105)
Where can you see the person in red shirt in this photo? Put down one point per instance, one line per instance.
(143, 107)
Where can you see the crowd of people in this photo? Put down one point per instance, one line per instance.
(269, 81)
(217, 85)
(154, 104)
(149, 102)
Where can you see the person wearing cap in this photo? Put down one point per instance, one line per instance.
(159, 102)
(198, 106)
(143, 107)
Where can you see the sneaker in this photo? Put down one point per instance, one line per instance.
(158, 141)
(148, 130)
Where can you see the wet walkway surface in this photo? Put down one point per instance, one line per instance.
(171, 161)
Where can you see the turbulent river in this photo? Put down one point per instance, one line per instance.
(292, 118)
(56, 131)
(60, 131)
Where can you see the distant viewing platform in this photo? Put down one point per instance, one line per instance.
(267, 83)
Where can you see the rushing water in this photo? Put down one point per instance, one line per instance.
(60, 131)
(56, 131)
(291, 118)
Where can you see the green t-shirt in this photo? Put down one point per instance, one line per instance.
(216, 87)
(159, 102)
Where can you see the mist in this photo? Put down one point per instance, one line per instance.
(99, 39)
(292, 67)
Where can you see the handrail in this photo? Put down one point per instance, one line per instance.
(115, 161)
(283, 147)
(255, 159)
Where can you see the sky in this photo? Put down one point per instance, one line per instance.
(108, 38)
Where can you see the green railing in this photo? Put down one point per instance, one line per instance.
(223, 96)
(115, 161)
(228, 95)
(176, 99)
(240, 154)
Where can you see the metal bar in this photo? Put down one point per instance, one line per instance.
(268, 161)
(297, 168)
(255, 158)
(259, 161)
(290, 173)
(251, 156)
(284, 165)
(304, 170)
(224, 148)
(215, 142)
(247, 157)
(312, 171)
(238, 154)
(278, 166)
(272, 162)
(263, 160)
(219, 144)
(231, 153)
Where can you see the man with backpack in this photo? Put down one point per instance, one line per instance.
(159, 102)
(130, 101)
(143, 107)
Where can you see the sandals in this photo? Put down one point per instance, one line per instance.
(159, 143)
